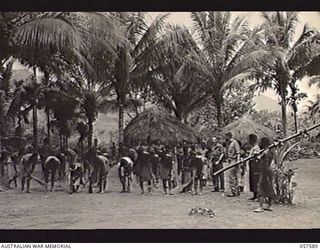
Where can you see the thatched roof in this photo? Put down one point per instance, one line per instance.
(244, 126)
(159, 125)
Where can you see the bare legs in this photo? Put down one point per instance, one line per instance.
(200, 183)
(261, 201)
(165, 186)
(149, 186)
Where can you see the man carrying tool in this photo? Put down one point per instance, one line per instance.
(233, 155)
(125, 167)
(27, 166)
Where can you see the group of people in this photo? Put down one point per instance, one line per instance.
(193, 165)
(187, 166)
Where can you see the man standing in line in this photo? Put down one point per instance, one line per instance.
(233, 155)
(218, 154)
(254, 171)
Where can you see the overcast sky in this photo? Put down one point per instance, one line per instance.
(254, 18)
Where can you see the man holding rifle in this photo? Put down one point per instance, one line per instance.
(233, 155)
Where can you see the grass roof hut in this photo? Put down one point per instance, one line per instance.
(155, 125)
(244, 126)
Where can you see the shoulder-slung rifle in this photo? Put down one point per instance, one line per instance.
(273, 145)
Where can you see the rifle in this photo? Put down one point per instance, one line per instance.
(273, 145)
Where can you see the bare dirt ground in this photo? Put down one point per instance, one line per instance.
(60, 210)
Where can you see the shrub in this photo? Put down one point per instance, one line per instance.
(283, 173)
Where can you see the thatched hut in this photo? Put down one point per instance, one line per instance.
(244, 126)
(155, 125)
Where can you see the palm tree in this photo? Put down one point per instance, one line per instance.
(294, 58)
(91, 95)
(64, 109)
(14, 102)
(178, 80)
(134, 60)
(7, 29)
(83, 40)
(91, 86)
(295, 96)
(32, 37)
(230, 51)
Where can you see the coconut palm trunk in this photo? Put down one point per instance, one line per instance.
(121, 129)
(66, 142)
(90, 133)
(295, 121)
(48, 128)
(284, 117)
(284, 114)
(219, 115)
(35, 114)
(35, 126)
(218, 106)
(46, 77)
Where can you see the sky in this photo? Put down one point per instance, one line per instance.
(254, 18)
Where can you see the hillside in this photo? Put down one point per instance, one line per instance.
(263, 102)
(105, 127)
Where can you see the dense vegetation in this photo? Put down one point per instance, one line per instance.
(84, 64)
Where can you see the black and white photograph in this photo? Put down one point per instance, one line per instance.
(159, 120)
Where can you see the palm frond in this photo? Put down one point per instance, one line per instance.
(257, 57)
(150, 34)
(49, 31)
(237, 79)
(6, 78)
(292, 20)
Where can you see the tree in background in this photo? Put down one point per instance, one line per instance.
(64, 110)
(268, 119)
(293, 60)
(314, 107)
(295, 97)
(238, 101)
(134, 60)
(35, 36)
(32, 37)
(230, 50)
(178, 81)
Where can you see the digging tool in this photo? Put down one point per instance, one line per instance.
(42, 183)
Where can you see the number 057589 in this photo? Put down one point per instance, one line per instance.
(308, 245)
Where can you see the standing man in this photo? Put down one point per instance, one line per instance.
(144, 168)
(199, 165)
(254, 171)
(186, 171)
(166, 169)
(203, 148)
(218, 154)
(44, 152)
(95, 144)
(233, 155)
(242, 168)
